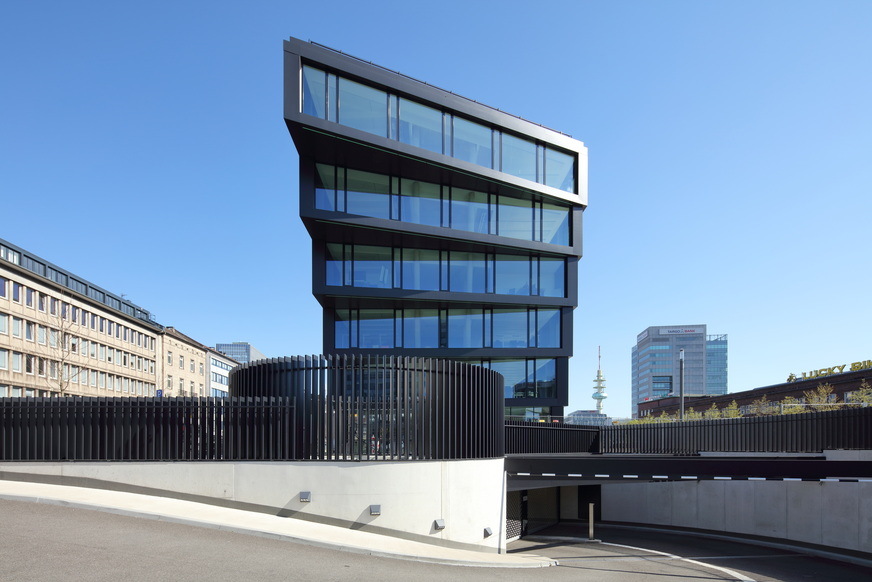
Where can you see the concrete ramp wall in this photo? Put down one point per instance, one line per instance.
(468, 495)
(827, 513)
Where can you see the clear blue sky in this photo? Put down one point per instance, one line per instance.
(142, 147)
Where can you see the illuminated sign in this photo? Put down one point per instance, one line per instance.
(832, 370)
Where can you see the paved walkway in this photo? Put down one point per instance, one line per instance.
(316, 534)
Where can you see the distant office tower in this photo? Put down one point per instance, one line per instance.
(242, 352)
(440, 227)
(656, 369)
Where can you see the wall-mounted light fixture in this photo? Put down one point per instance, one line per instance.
(375, 509)
(439, 524)
(488, 532)
(305, 496)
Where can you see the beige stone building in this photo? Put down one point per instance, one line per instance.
(62, 335)
(184, 365)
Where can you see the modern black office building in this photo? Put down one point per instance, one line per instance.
(440, 227)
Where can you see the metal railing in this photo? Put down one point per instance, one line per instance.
(535, 437)
(809, 432)
(353, 407)
(146, 429)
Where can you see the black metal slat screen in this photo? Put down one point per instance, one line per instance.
(810, 432)
(523, 437)
(305, 408)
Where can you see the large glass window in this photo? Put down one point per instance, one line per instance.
(473, 142)
(420, 126)
(548, 335)
(342, 330)
(555, 224)
(420, 269)
(376, 328)
(519, 157)
(559, 170)
(335, 264)
(325, 187)
(514, 376)
(420, 202)
(512, 275)
(467, 272)
(421, 328)
(465, 328)
(372, 267)
(552, 277)
(363, 107)
(4, 323)
(368, 194)
(544, 377)
(515, 218)
(469, 210)
(314, 92)
(510, 328)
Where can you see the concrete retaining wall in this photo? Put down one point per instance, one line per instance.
(836, 514)
(468, 495)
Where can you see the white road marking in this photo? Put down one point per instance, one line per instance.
(727, 571)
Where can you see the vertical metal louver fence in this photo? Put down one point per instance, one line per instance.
(146, 429)
(524, 437)
(353, 407)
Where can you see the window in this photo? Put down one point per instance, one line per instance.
(519, 157)
(28, 330)
(40, 301)
(368, 194)
(169, 382)
(363, 108)
(467, 273)
(28, 297)
(473, 142)
(4, 359)
(372, 267)
(182, 362)
(28, 364)
(16, 326)
(469, 210)
(420, 328)
(314, 92)
(3, 285)
(192, 364)
(201, 368)
(559, 170)
(169, 357)
(420, 126)
(4, 323)
(420, 202)
(16, 361)
(16, 292)
(41, 334)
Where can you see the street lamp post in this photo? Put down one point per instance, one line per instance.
(681, 384)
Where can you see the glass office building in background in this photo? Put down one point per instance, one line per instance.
(655, 363)
(242, 352)
(440, 227)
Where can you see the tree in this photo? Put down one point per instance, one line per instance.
(691, 414)
(791, 405)
(820, 398)
(58, 347)
(863, 394)
(713, 412)
(762, 407)
(731, 410)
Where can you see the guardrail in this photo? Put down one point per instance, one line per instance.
(535, 437)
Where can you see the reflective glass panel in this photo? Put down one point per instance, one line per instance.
(363, 107)
(420, 328)
(549, 328)
(467, 272)
(514, 376)
(420, 202)
(376, 328)
(510, 328)
(420, 126)
(372, 267)
(420, 270)
(465, 327)
(555, 224)
(325, 187)
(314, 92)
(368, 194)
(515, 218)
(559, 170)
(552, 277)
(342, 329)
(334, 264)
(519, 157)
(469, 210)
(472, 142)
(512, 275)
(545, 372)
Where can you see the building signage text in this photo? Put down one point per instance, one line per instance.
(822, 372)
(675, 331)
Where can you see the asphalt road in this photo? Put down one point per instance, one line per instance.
(51, 542)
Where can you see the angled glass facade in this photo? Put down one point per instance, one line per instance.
(440, 227)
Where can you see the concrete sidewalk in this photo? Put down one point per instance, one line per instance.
(235, 520)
